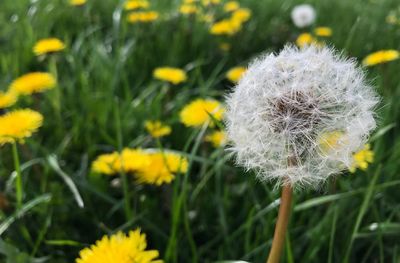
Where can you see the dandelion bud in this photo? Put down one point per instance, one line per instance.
(297, 117)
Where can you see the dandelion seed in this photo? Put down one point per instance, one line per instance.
(7, 99)
(157, 129)
(119, 248)
(303, 15)
(380, 57)
(330, 141)
(235, 74)
(48, 45)
(17, 125)
(169, 74)
(32, 83)
(286, 103)
(198, 112)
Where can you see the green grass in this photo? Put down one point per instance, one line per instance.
(106, 92)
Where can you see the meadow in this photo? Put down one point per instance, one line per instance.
(107, 96)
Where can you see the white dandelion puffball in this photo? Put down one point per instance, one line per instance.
(303, 15)
(297, 117)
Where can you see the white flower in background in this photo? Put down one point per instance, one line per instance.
(297, 117)
(303, 15)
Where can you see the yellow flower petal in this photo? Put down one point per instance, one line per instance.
(380, 57)
(18, 125)
(197, 112)
(7, 99)
(119, 248)
(169, 74)
(48, 45)
(33, 83)
(143, 17)
(235, 74)
(216, 138)
(323, 31)
(157, 129)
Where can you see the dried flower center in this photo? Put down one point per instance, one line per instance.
(295, 113)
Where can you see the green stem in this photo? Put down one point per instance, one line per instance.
(179, 198)
(57, 95)
(124, 179)
(364, 207)
(18, 180)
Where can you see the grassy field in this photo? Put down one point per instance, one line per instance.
(215, 211)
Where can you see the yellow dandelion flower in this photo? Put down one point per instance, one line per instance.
(132, 160)
(305, 39)
(18, 125)
(48, 45)
(216, 138)
(143, 16)
(188, 9)
(323, 31)
(362, 158)
(241, 15)
(7, 99)
(231, 6)
(162, 168)
(32, 83)
(105, 163)
(129, 161)
(77, 2)
(210, 2)
(189, 1)
(157, 129)
(235, 74)
(329, 141)
(198, 112)
(169, 74)
(380, 57)
(225, 27)
(391, 19)
(119, 248)
(136, 4)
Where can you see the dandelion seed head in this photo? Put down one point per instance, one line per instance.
(303, 15)
(309, 106)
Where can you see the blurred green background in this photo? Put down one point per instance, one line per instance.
(105, 76)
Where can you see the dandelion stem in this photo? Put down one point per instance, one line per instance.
(18, 180)
(281, 225)
(124, 179)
